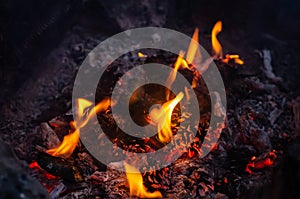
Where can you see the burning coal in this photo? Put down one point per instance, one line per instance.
(161, 116)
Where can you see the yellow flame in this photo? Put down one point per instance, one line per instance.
(217, 48)
(239, 61)
(192, 52)
(187, 94)
(172, 76)
(136, 186)
(235, 58)
(82, 104)
(162, 117)
(193, 47)
(141, 55)
(71, 140)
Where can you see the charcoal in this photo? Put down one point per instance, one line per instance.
(59, 167)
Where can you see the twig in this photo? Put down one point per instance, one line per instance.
(268, 69)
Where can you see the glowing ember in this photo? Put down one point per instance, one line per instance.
(34, 165)
(136, 186)
(162, 118)
(260, 164)
(71, 140)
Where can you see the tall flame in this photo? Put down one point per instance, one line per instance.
(136, 187)
(172, 76)
(217, 48)
(193, 47)
(162, 117)
(193, 50)
(71, 140)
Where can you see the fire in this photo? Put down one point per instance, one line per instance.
(172, 76)
(136, 186)
(141, 55)
(235, 58)
(162, 118)
(193, 47)
(260, 164)
(71, 140)
(193, 50)
(217, 47)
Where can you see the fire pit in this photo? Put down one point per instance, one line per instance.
(250, 151)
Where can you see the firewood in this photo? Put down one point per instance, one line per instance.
(59, 167)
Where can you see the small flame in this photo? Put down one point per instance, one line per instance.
(71, 140)
(217, 48)
(235, 58)
(136, 186)
(162, 117)
(141, 55)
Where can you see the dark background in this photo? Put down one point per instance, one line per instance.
(43, 43)
(31, 29)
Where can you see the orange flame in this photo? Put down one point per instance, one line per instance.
(71, 140)
(235, 58)
(162, 117)
(217, 48)
(136, 187)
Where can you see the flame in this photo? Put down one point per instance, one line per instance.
(193, 47)
(187, 94)
(71, 140)
(162, 117)
(172, 76)
(192, 52)
(141, 55)
(136, 186)
(235, 58)
(217, 48)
